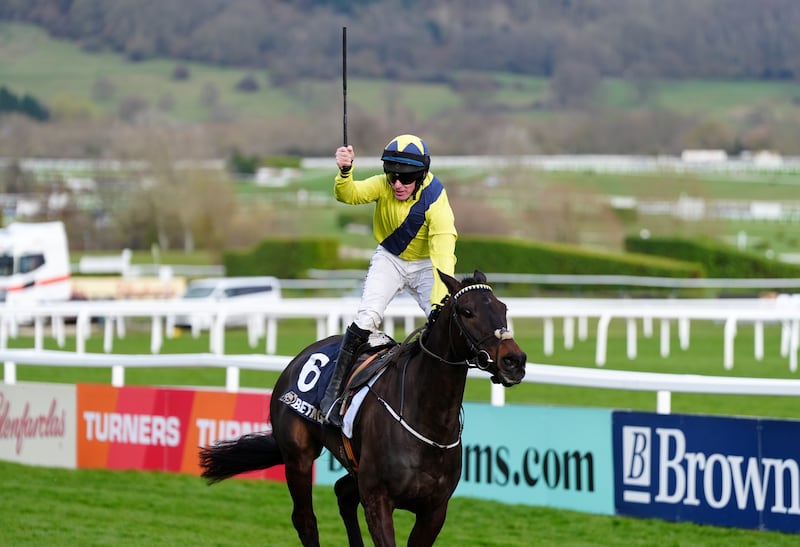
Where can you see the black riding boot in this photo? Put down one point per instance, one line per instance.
(354, 336)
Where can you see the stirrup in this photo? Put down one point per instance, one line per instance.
(333, 416)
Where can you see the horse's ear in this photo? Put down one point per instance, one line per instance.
(451, 283)
(479, 276)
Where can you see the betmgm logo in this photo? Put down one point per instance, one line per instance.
(712, 480)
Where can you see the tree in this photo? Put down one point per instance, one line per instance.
(27, 105)
(573, 84)
(131, 108)
(15, 180)
(103, 89)
(9, 102)
(248, 84)
(209, 96)
(181, 72)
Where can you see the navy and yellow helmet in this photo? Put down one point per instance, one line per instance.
(406, 154)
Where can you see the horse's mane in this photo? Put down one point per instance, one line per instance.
(469, 281)
(412, 344)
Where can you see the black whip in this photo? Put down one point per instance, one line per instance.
(344, 83)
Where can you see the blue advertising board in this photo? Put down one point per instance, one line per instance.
(534, 455)
(741, 472)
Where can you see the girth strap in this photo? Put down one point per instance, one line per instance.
(348, 451)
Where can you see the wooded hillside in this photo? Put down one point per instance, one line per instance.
(507, 76)
(428, 39)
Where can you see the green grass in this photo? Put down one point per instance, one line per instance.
(704, 97)
(54, 507)
(63, 75)
(668, 185)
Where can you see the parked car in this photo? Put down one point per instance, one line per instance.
(248, 290)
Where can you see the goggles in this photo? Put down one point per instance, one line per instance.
(404, 178)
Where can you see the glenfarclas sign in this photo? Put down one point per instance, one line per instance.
(22, 424)
(37, 424)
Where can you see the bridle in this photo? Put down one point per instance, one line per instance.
(479, 358)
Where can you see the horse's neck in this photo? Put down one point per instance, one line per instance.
(440, 390)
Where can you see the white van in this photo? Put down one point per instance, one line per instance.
(34, 263)
(248, 290)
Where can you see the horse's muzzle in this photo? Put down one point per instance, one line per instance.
(511, 369)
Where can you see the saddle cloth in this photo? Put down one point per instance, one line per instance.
(309, 384)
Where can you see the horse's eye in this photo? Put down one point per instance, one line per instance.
(466, 312)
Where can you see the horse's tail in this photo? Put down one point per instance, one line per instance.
(250, 452)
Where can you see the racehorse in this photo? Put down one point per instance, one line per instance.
(405, 451)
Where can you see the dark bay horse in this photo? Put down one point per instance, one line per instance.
(405, 451)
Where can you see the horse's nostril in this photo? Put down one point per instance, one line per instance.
(515, 360)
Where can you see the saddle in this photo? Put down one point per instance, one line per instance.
(374, 356)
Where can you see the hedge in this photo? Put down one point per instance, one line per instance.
(522, 256)
(285, 258)
(719, 260)
(495, 255)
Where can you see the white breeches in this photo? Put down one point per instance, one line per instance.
(386, 277)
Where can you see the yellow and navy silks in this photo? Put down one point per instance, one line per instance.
(413, 229)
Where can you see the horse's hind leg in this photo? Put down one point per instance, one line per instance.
(299, 451)
(347, 496)
(299, 481)
(427, 526)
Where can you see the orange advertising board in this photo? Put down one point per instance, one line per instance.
(151, 428)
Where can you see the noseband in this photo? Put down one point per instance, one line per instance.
(479, 358)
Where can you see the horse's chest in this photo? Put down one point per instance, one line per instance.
(420, 474)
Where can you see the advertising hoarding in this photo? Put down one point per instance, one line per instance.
(37, 424)
(162, 428)
(741, 472)
(534, 455)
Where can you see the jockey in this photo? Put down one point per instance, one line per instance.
(415, 229)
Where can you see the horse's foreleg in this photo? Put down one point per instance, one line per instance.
(299, 481)
(378, 513)
(427, 526)
(347, 496)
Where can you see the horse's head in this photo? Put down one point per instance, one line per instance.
(479, 331)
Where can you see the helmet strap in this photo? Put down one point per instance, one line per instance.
(418, 185)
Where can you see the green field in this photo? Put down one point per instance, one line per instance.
(64, 76)
(54, 507)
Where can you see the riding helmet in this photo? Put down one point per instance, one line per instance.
(406, 154)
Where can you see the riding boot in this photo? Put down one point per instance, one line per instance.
(354, 336)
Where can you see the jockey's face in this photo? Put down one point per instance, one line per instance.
(403, 184)
(402, 191)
